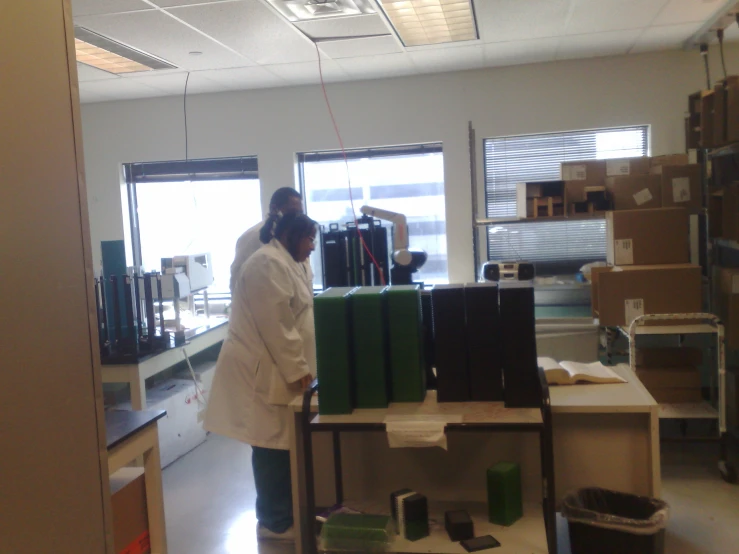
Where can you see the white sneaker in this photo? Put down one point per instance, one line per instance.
(264, 534)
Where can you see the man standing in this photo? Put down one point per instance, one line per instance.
(284, 200)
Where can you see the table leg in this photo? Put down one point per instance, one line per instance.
(138, 392)
(338, 473)
(155, 496)
(297, 473)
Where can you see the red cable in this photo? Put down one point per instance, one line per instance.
(346, 162)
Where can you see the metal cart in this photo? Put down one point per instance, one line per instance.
(698, 323)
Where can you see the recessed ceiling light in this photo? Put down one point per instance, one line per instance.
(301, 10)
(196, 53)
(424, 22)
(111, 56)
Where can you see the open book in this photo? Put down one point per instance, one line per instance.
(571, 373)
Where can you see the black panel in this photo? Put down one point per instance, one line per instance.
(484, 342)
(452, 378)
(518, 324)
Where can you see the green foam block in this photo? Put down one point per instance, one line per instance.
(405, 332)
(504, 493)
(332, 310)
(370, 347)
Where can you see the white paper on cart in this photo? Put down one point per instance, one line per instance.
(418, 431)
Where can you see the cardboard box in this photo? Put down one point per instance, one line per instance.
(728, 311)
(730, 213)
(595, 273)
(625, 167)
(626, 292)
(674, 377)
(674, 395)
(732, 398)
(669, 159)
(635, 192)
(715, 215)
(645, 237)
(130, 515)
(540, 199)
(707, 115)
(681, 186)
(732, 108)
(591, 172)
(668, 357)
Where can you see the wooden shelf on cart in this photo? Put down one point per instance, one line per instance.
(694, 410)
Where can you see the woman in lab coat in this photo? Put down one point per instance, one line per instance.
(267, 359)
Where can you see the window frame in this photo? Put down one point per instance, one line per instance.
(205, 169)
(302, 158)
(513, 220)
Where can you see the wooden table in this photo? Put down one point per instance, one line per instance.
(137, 374)
(134, 435)
(604, 435)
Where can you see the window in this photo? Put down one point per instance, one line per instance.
(192, 207)
(407, 180)
(555, 247)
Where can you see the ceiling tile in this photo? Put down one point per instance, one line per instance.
(100, 7)
(353, 48)
(88, 97)
(122, 89)
(307, 72)
(597, 44)
(521, 52)
(378, 67)
(88, 73)
(252, 29)
(595, 16)
(344, 27)
(243, 78)
(160, 35)
(666, 37)
(174, 84)
(178, 3)
(448, 59)
(510, 20)
(687, 11)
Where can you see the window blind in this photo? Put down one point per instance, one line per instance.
(554, 246)
(220, 169)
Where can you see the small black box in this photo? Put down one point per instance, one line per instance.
(415, 518)
(459, 525)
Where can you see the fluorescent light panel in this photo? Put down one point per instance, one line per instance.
(424, 22)
(306, 10)
(111, 56)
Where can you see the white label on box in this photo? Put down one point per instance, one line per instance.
(574, 172)
(633, 308)
(681, 189)
(642, 197)
(614, 168)
(624, 252)
(692, 156)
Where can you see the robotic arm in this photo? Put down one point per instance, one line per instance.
(405, 259)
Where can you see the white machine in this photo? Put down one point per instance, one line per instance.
(192, 273)
(406, 260)
(183, 276)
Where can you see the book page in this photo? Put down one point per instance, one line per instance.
(594, 372)
(547, 363)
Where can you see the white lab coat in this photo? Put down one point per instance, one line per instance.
(269, 348)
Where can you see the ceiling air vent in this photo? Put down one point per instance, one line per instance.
(111, 56)
(305, 10)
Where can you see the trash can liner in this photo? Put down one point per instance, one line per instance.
(638, 515)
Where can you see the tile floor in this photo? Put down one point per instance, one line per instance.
(209, 497)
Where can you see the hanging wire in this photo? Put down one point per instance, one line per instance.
(704, 55)
(720, 35)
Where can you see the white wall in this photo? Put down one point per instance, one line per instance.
(275, 124)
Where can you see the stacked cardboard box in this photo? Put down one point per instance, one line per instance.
(726, 287)
(670, 375)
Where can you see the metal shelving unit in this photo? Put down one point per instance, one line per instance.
(695, 324)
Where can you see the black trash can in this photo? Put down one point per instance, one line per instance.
(610, 522)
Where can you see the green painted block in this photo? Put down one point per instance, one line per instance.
(505, 505)
(405, 333)
(332, 312)
(369, 329)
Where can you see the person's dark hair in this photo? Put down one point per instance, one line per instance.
(290, 229)
(282, 196)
